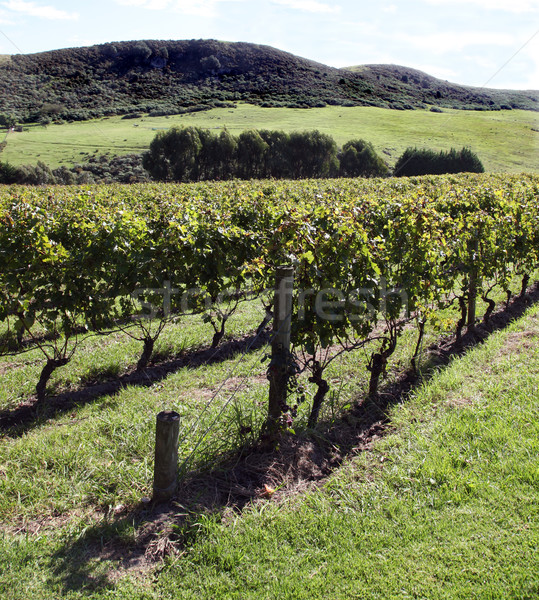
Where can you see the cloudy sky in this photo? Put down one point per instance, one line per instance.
(492, 43)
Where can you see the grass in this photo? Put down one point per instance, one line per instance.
(446, 506)
(504, 140)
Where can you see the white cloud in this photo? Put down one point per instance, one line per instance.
(5, 20)
(150, 4)
(35, 10)
(532, 52)
(523, 66)
(309, 6)
(514, 6)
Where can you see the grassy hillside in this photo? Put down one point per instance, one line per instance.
(504, 140)
(168, 77)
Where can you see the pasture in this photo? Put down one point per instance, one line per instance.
(506, 141)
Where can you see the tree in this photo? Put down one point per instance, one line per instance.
(469, 161)
(225, 154)
(210, 63)
(173, 155)
(276, 163)
(7, 121)
(8, 173)
(141, 52)
(312, 154)
(359, 159)
(250, 153)
(422, 161)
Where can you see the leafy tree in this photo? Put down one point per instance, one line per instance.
(251, 154)
(422, 161)
(8, 173)
(469, 161)
(276, 161)
(141, 52)
(207, 156)
(225, 155)
(7, 121)
(359, 159)
(173, 155)
(312, 154)
(210, 63)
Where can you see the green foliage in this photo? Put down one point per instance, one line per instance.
(210, 63)
(193, 153)
(312, 154)
(39, 174)
(415, 161)
(98, 169)
(379, 252)
(358, 158)
(173, 155)
(8, 173)
(250, 155)
(7, 120)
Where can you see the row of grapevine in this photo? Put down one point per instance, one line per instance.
(368, 256)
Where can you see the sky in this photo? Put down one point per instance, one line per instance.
(484, 43)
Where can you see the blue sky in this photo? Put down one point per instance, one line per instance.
(474, 42)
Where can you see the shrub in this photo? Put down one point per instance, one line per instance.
(422, 161)
(210, 63)
(359, 159)
(8, 173)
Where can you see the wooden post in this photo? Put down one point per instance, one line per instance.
(165, 473)
(280, 345)
(472, 287)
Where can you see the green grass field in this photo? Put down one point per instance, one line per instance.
(505, 141)
(443, 506)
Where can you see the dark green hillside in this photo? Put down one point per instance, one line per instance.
(165, 77)
(408, 82)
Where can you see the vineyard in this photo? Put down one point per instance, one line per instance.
(371, 258)
(117, 302)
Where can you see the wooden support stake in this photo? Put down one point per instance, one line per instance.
(280, 345)
(472, 288)
(165, 478)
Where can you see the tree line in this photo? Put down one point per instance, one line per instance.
(422, 161)
(196, 154)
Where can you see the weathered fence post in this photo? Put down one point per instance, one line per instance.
(473, 284)
(165, 473)
(280, 345)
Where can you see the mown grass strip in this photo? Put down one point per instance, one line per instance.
(444, 507)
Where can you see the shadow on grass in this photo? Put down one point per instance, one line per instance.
(250, 475)
(23, 418)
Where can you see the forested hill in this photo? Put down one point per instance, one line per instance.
(167, 77)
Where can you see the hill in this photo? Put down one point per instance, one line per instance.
(171, 77)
